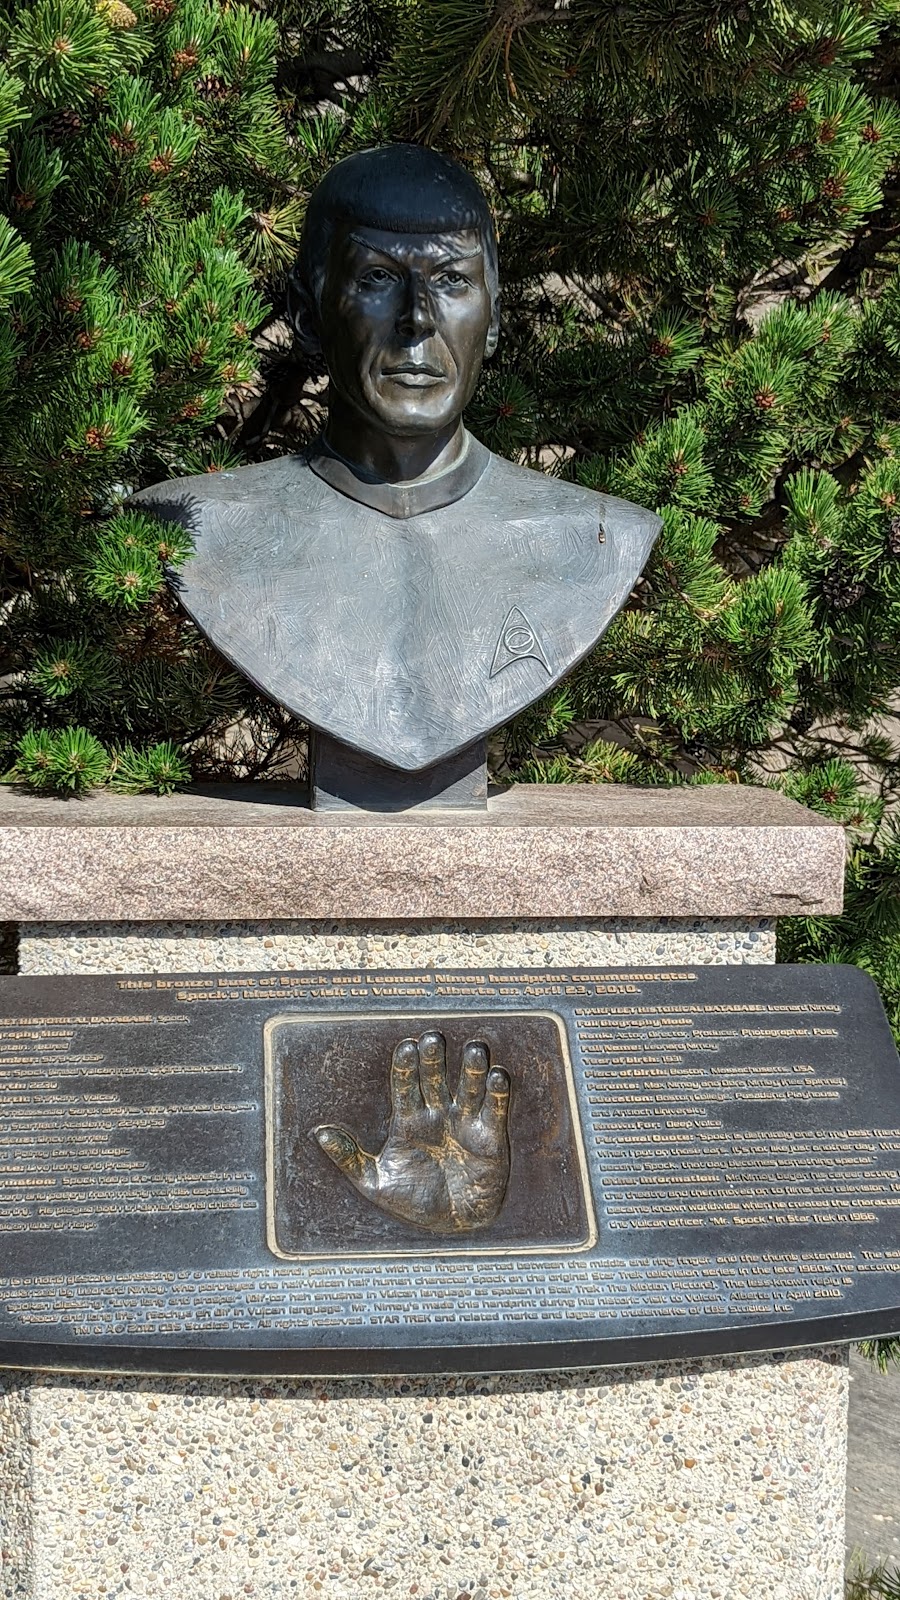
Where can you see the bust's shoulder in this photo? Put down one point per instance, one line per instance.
(264, 480)
(529, 493)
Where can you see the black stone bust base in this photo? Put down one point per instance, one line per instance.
(342, 779)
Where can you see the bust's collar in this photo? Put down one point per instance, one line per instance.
(401, 499)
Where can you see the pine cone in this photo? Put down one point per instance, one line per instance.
(184, 60)
(116, 13)
(64, 124)
(212, 87)
(841, 590)
(801, 720)
(893, 536)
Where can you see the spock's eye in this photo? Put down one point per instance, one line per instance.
(377, 277)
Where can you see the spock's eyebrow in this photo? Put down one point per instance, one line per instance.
(451, 254)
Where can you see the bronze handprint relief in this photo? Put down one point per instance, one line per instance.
(428, 1134)
(445, 1163)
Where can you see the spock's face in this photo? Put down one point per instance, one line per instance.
(404, 322)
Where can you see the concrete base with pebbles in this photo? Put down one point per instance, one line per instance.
(53, 947)
(691, 1481)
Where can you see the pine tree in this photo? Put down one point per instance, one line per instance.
(146, 167)
(699, 215)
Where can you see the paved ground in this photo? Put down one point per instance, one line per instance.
(873, 1469)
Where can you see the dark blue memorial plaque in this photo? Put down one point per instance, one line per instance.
(471, 1170)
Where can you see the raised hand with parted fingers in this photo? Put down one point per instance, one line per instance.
(445, 1163)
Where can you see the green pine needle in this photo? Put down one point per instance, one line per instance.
(67, 763)
(70, 668)
(158, 770)
(16, 264)
(872, 1583)
(122, 574)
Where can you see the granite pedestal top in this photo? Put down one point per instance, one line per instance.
(252, 851)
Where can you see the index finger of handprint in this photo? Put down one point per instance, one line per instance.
(433, 1071)
(472, 1078)
(406, 1095)
(495, 1111)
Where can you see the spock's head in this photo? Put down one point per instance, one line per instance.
(396, 285)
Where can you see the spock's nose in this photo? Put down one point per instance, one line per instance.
(416, 316)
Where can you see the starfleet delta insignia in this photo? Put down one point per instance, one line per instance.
(517, 642)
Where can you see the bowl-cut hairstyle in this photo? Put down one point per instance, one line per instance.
(403, 188)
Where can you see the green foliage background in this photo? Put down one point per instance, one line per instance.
(699, 210)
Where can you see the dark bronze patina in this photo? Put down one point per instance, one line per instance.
(397, 585)
(461, 1167)
(445, 1162)
(700, 1161)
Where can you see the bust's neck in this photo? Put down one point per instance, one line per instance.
(401, 500)
(384, 458)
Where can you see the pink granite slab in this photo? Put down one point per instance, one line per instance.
(538, 851)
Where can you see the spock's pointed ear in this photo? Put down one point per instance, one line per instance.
(303, 314)
(493, 333)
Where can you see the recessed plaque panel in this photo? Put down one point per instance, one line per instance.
(479, 1170)
(338, 1068)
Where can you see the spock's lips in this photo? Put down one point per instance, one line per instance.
(415, 374)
